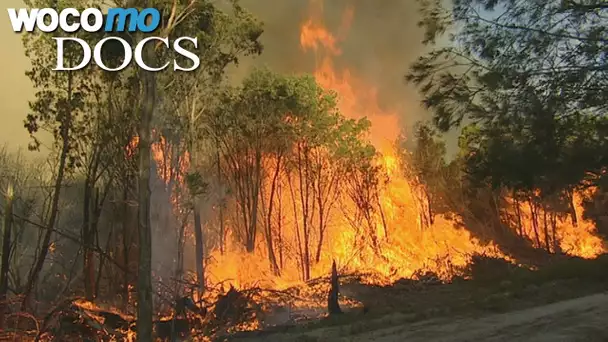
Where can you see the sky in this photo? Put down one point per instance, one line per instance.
(15, 88)
(383, 40)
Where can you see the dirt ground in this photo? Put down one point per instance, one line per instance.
(581, 319)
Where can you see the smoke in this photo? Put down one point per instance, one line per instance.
(16, 89)
(381, 43)
(379, 46)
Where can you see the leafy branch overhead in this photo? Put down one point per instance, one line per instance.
(531, 78)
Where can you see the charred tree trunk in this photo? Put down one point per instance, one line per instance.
(280, 227)
(98, 203)
(198, 226)
(88, 240)
(520, 229)
(221, 201)
(321, 228)
(327, 194)
(199, 249)
(6, 250)
(556, 246)
(126, 240)
(546, 230)
(572, 206)
(144, 281)
(333, 306)
(272, 259)
(200, 252)
(255, 201)
(429, 207)
(102, 261)
(382, 216)
(534, 214)
(307, 264)
(303, 167)
(297, 227)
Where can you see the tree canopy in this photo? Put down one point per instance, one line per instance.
(530, 77)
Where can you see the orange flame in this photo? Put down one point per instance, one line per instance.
(405, 245)
(406, 248)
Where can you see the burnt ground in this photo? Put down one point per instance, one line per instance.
(564, 301)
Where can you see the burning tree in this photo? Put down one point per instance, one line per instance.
(308, 175)
(93, 117)
(277, 132)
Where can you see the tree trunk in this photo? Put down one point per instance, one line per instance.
(98, 203)
(305, 199)
(87, 239)
(307, 264)
(200, 251)
(382, 216)
(280, 225)
(556, 246)
(272, 259)
(520, 228)
(321, 229)
(6, 250)
(572, 207)
(546, 230)
(430, 208)
(144, 281)
(198, 228)
(126, 240)
(534, 214)
(297, 227)
(102, 260)
(255, 200)
(221, 201)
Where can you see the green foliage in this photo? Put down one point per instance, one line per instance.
(60, 97)
(272, 112)
(530, 80)
(426, 166)
(93, 115)
(513, 59)
(288, 129)
(428, 158)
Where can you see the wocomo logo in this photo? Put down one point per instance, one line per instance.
(70, 20)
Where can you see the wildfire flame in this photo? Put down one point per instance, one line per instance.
(405, 245)
(406, 248)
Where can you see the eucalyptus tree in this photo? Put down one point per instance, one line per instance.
(61, 100)
(60, 109)
(224, 36)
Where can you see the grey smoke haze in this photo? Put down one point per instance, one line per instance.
(382, 42)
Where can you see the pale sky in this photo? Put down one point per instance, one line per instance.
(382, 42)
(15, 88)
